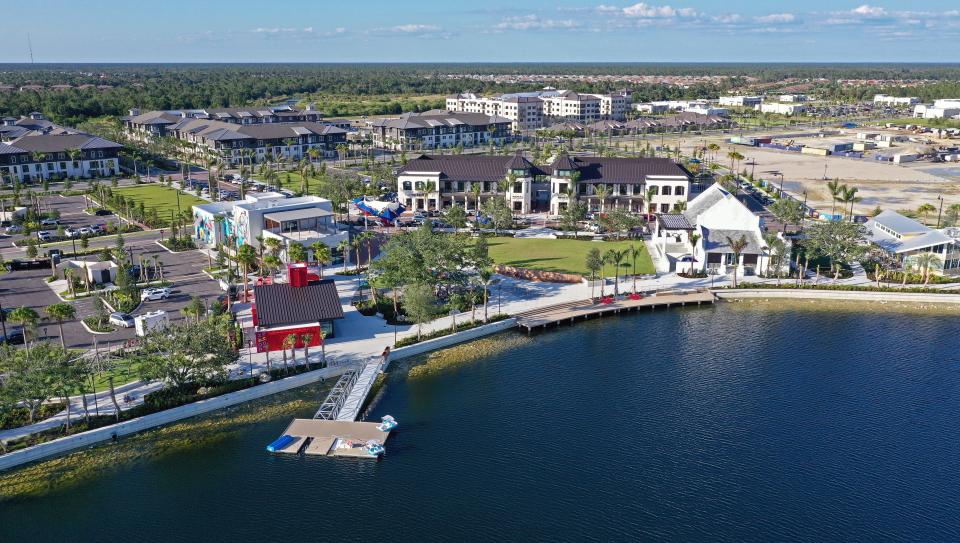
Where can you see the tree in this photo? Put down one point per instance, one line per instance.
(246, 257)
(777, 249)
(788, 210)
(635, 252)
(838, 241)
(321, 254)
(849, 196)
(485, 275)
(737, 247)
(835, 188)
(187, 352)
(296, 252)
(925, 210)
(456, 216)
(344, 248)
(27, 317)
(615, 257)
(602, 192)
(419, 302)
(61, 312)
(926, 262)
(594, 263)
(290, 342)
(30, 375)
(195, 308)
(475, 189)
(500, 215)
(571, 216)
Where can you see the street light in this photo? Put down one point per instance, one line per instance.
(940, 213)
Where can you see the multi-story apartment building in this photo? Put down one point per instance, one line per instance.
(439, 129)
(56, 156)
(643, 185)
(236, 141)
(531, 110)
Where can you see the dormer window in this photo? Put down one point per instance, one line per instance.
(519, 173)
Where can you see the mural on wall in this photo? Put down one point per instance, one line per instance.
(204, 228)
(241, 226)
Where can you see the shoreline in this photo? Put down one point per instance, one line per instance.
(67, 444)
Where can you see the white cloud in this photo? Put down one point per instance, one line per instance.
(533, 22)
(869, 11)
(729, 18)
(648, 11)
(776, 18)
(414, 28)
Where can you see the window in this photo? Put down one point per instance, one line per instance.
(518, 187)
(407, 185)
(654, 190)
(666, 191)
(561, 187)
(679, 191)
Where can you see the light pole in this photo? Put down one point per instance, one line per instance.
(803, 218)
(940, 213)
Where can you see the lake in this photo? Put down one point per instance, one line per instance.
(736, 422)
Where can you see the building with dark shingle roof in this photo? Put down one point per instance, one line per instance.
(439, 129)
(57, 154)
(303, 307)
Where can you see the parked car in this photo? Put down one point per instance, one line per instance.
(14, 229)
(97, 229)
(71, 232)
(102, 212)
(152, 294)
(85, 231)
(123, 320)
(49, 222)
(43, 235)
(13, 337)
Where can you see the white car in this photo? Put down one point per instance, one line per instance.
(152, 294)
(43, 235)
(123, 320)
(71, 232)
(49, 222)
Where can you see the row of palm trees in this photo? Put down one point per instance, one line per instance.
(596, 263)
(843, 194)
(29, 318)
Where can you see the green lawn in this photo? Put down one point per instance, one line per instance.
(294, 182)
(159, 197)
(561, 255)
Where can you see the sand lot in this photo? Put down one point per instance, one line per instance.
(888, 185)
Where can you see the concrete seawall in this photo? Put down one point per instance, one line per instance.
(99, 435)
(856, 295)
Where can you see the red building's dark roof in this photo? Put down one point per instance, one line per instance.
(284, 305)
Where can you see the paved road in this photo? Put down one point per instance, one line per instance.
(29, 288)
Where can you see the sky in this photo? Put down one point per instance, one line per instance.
(481, 31)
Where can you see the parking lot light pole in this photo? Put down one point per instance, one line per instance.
(940, 213)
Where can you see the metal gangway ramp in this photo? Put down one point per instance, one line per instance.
(331, 406)
(349, 409)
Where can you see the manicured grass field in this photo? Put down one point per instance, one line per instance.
(159, 197)
(561, 255)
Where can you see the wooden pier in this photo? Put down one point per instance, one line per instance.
(584, 309)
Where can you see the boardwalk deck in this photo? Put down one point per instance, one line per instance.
(569, 312)
(350, 408)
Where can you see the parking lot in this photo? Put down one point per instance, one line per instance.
(29, 288)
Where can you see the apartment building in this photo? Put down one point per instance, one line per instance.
(439, 129)
(56, 156)
(642, 185)
(435, 182)
(532, 110)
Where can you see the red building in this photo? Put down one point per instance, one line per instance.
(302, 306)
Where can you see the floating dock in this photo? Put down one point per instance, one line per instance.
(318, 437)
(584, 309)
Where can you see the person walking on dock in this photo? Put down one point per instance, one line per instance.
(385, 356)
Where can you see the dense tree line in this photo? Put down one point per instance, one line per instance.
(342, 88)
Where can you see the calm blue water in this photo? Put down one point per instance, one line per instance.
(713, 424)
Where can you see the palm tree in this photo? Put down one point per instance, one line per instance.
(475, 189)
(634, 252)
(306, 338)
(27, 317)
(321, 254)
(835, 189)
(344, 248)
(246, 257)
(271, 264)
(736, 247)
(848, 195)
(274, 245)
(650, 193)
(61, 312)
(615, 257)
(602, 192)
(927, 261)
(925, 209)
